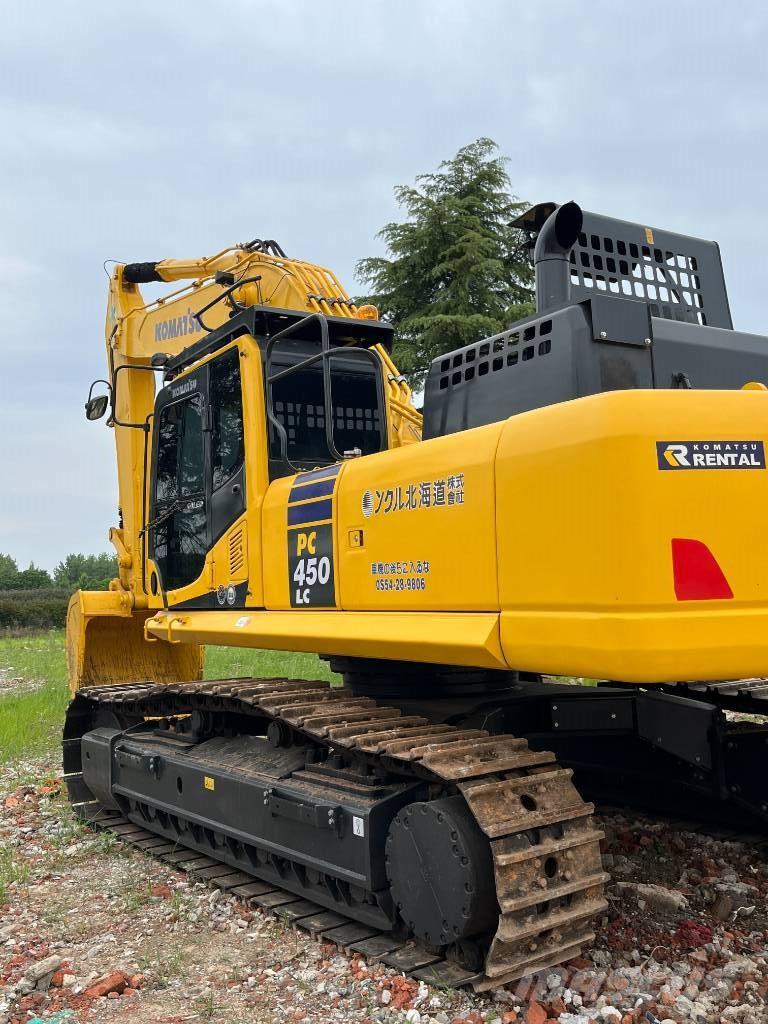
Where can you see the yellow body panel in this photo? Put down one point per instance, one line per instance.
(586, 575)
(424, 545)
(562, 542)
(456, 638)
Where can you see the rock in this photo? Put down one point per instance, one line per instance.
(116, 982)
(413, 1017)
(386, 996)
(655, 896)
(535, 1014)
(740, 894)
(43, 970)
(739, 966)
(610, 1013)
(578, 963)
(722, 908)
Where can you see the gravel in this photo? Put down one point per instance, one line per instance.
(93, 931)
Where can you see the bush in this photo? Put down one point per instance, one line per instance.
(33, 609)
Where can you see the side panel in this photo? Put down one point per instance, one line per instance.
(411, 528)
(416, 526)
(587, 584)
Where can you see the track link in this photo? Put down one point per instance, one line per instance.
(542, 841)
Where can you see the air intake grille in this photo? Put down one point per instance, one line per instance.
(504, 350)
(237, 553)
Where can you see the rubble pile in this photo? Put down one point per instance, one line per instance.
(92, 931)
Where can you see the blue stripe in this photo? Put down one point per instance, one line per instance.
(318, 490)
(309, 513)
(318, 474)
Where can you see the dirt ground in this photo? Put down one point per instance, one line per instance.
(93, 931)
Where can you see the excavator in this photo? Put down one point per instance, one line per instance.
(550, 586)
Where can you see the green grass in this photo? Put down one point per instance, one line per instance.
(31, 719)
(224, 662)
(12, 869)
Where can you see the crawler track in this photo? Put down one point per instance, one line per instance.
(539, 832)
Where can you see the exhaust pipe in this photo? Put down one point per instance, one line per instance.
(550, 257)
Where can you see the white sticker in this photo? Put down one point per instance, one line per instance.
(243, 621)
(358, 826)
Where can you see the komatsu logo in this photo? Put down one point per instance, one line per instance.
(710, 454)
(177, 327)
(185, 388)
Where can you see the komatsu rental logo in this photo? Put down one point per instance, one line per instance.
(710, 454)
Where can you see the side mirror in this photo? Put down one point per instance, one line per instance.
(96, 407)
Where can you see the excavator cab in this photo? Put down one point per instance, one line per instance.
(257, 353)
(296, 393)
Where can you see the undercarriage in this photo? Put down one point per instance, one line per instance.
(418, 817)
(474, 846)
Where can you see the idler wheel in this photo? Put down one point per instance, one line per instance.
(440, 872)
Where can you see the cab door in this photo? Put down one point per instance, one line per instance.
(179, 521)
(198, 489)
(229, 536)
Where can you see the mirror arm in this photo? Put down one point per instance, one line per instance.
(113, 420)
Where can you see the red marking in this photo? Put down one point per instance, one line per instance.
(697, 575)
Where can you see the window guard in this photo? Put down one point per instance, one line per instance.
(325, 354)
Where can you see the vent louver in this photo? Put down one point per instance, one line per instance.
(237, 554)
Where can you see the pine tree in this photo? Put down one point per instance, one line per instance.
(456, 270)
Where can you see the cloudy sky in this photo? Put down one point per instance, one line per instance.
(145, 130)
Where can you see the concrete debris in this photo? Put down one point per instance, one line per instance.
(93, 931)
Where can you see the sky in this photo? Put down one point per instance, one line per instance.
(143, 131)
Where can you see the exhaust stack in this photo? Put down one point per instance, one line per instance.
(550, 257)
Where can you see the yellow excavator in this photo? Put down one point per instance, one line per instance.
(583, 496)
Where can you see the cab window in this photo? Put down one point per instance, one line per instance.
(227, 451)
(180, 527)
